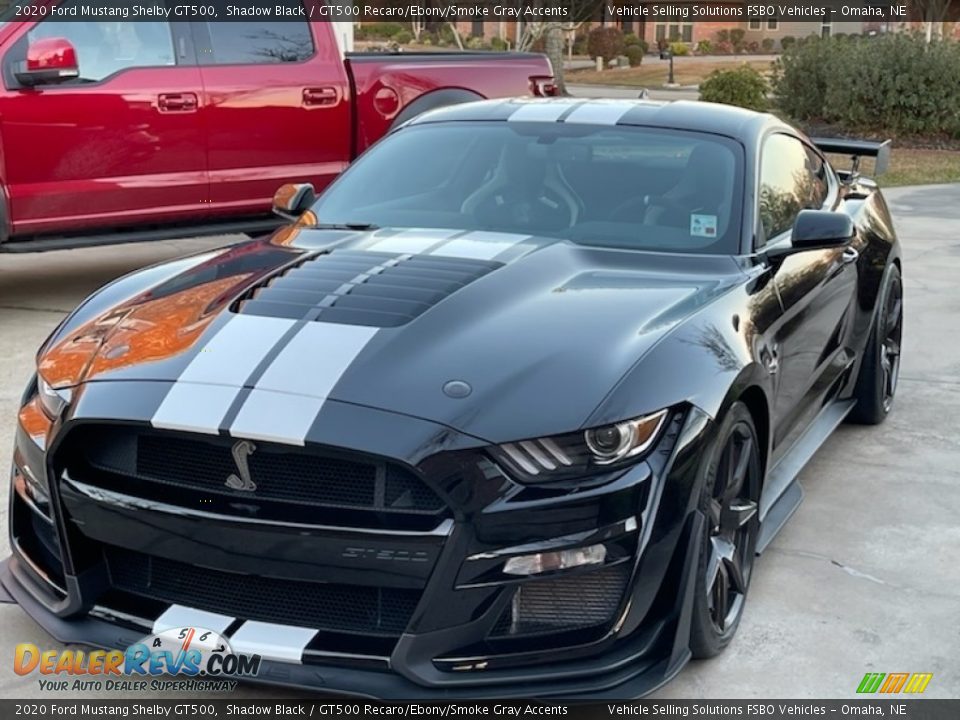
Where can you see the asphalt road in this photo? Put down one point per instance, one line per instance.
(865, 577)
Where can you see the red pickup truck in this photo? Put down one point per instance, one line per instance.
(121, 131)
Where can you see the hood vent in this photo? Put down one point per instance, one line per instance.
(362, 288)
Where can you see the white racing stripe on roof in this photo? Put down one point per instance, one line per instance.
(411, 241)
(180, 616)
(273, 642)
(600, 112)
(541, 112)
(479, 245)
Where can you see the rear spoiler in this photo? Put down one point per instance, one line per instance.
(857, 149)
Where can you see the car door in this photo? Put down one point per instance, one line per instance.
(276, 109)
(817, 287)
(120, 145)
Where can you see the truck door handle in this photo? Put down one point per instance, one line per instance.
(849, 255)
(177, 102)
(321, 96)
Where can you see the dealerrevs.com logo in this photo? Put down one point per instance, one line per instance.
(190, 651)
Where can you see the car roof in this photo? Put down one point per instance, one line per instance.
(747, 126)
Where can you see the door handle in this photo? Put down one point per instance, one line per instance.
(321, 96)
(849, 255)
(177, 102)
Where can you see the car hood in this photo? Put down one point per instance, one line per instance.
(532, 336)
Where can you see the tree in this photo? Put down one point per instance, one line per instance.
(933, 12)
(417, 26)
(553, 32)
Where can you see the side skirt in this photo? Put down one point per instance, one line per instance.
(782, 493)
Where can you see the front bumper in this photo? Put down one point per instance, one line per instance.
(448, 646)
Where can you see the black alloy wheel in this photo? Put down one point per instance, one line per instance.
(729, 502)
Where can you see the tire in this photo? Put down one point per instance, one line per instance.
(729, 484)
(877, 382)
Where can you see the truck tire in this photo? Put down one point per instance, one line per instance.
(432, 101)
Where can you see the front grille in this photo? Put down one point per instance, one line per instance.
(587, 599)
(324, 606)
(164, 465)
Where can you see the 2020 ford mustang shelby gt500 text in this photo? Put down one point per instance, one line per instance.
(509, 409)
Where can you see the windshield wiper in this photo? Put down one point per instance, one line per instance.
(344, 226)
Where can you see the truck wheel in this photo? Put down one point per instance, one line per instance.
(432, 101)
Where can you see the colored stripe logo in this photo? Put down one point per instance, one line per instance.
(892, 683)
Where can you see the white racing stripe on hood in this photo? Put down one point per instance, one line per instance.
(194, 407)
(412, 241)
(479, 245)
(273, 642)
(288, 396)
(207, 387)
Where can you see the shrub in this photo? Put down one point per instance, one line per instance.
(634, 55)
(742, 86)
(662, 44)
(679, 49)
(631, 38)
(753, 46)
(476, 43)
(499, 44)
(896, 84)
(381, 30)
(767, 45)
(605, 42)
(787, 41)
(704, 47)
(404, 37)
(723, 36)
(723, 47)
(736, 37)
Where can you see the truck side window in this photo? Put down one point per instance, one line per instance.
(104, 48)
(254, 43)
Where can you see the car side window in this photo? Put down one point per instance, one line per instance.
(789, 183)
(820, 188)
(257, 43)
(105, 48)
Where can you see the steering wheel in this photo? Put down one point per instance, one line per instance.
(627, 210)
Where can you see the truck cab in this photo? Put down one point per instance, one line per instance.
(112, 131)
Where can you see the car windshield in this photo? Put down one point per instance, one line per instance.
(619, 186)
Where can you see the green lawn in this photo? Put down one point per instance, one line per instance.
(653, 72)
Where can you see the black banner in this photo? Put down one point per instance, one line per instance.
(894, 707)
(568, 11)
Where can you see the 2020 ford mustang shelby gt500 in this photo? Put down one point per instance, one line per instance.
(509, 409)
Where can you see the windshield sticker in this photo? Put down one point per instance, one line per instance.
(703, 225)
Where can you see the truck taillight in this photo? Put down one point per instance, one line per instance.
(543, 86)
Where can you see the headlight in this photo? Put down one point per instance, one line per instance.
(580, 453)
(52, 401)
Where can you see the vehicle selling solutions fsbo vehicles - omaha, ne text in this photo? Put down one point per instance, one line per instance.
(120, 131)
(508, 410)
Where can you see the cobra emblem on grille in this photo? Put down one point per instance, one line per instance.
(241, 480)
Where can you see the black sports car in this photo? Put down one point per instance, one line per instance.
(508, 410)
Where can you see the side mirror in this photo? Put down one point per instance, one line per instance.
(818, 230)
(292, 200)
(50, 60)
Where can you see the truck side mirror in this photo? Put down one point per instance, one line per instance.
(50, 60)
(292, 200)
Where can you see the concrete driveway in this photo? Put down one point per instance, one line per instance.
(865, 577)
